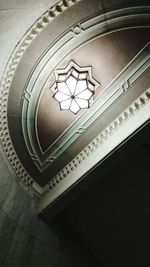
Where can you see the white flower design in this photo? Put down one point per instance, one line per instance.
(74, 90)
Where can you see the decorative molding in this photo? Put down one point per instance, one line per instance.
(95, 152)
(27, 96)
(122, 83)
(77, 29)
(79, 75)
(8, 74)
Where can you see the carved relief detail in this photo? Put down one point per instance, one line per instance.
(101, 138)
(5, 139)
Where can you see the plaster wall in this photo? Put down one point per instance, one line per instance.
(15, 20)
(25, 241)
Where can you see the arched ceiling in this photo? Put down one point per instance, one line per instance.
(39, 139)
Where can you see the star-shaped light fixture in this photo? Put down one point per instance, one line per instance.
(74, 87)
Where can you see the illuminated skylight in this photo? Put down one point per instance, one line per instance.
(74, 88)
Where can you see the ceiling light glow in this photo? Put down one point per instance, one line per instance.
(74, 88)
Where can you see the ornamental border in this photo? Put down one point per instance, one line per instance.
(7, 77)
(44, 160)
(122, 83)
(8, 73)
(102, 137)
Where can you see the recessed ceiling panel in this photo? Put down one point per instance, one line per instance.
(45, 134)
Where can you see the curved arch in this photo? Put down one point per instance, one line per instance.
(90, 28)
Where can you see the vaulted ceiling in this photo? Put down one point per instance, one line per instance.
(51, 148)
